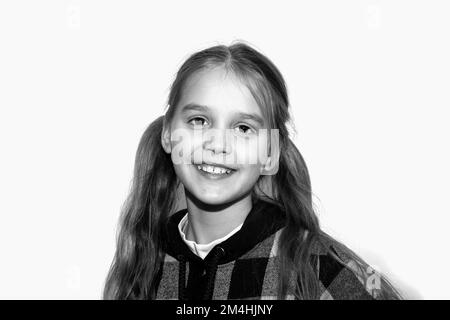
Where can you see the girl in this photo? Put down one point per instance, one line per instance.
(248, 230)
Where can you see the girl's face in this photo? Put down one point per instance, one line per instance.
(216, 126)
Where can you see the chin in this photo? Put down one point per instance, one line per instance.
(215, 191)
(213, 199)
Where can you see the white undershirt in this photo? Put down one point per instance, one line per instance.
(202, 250)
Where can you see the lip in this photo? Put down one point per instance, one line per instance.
(216, 165)
(214, 176)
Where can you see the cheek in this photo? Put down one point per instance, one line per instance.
(196, 147)
(183, 142)
(250, 152)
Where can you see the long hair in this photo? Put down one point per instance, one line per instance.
(138, 258)
(139, 240)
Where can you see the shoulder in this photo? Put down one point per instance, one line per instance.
(342, 274)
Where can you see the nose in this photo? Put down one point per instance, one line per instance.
(217, 142)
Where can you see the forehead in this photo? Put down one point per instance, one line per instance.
(220, 90)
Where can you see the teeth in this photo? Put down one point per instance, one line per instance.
(214, 170)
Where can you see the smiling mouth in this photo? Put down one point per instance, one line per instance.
(214, 170)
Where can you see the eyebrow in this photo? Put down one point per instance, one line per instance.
(194, 107)
(241, 115)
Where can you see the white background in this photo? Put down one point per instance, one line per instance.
(80, 81)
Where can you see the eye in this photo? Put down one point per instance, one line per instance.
(197, 122)
(242, 128)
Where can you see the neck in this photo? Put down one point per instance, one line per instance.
(210, 222)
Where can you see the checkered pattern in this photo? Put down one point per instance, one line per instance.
(254, 275)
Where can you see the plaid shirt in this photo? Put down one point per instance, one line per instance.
(248, 269)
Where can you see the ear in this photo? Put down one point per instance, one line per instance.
(165, 137)
(270, 167)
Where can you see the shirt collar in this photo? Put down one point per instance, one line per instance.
(202, 250)
(264, 219)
